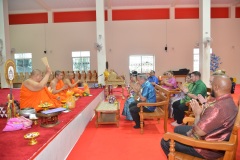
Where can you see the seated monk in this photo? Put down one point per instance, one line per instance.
(58, 87)
(34, 91)
(72, 85)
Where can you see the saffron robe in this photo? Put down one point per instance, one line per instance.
(32, 99)
(76, 89)
(61, 94)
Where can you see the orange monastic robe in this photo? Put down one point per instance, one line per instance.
(30, 98)
(76, 89)
(61, 94)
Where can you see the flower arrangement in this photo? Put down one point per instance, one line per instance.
(215, 62)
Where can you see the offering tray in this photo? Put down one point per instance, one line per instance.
(48, 120)
(32, 137)
(45, 106)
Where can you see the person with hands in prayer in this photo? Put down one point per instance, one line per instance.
(134, 92)
(179, 107)
(170, 82)
(214, 120)
(148, 95)
(152, 78)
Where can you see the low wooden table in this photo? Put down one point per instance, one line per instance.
(107, 113)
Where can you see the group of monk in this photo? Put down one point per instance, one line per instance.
(34, 90)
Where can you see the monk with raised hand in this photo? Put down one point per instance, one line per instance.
(72, 84)
(33, 91)
(58, 87)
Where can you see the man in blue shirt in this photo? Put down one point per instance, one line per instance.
(152, 78)
(148, 95)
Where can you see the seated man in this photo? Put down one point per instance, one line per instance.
(179, 107)
(34, 91)
(148, 95)
(213, 121)
(152, 78)
(72, 85)
(58, 87)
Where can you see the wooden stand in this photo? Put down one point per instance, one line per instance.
(48, 120)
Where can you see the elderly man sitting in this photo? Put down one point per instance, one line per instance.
(34, 91)
(148, 95)
(213, 121)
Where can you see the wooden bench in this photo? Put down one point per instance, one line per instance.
(161, 110)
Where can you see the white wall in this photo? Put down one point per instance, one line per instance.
(61, 40)
(124, 38)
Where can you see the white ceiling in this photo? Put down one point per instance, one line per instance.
(25, 6)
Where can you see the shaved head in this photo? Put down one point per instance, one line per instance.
(36, 72)
(57, 73)
(222, 83)
(36, 75)
(71, 75)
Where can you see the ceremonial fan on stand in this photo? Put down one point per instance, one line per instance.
(9, 76)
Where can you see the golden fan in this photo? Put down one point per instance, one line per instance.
(45, 61)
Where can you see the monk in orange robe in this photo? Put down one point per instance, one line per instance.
(34, 91)
(72, 85)
(58, 87)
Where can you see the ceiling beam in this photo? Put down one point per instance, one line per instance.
(43, 4)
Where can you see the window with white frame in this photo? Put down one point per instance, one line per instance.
(81, 60)
(141, 63)
(23, 62)
(196, 58)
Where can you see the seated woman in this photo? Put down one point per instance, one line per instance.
(134, 89)
(170, 82)
(188, 84)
